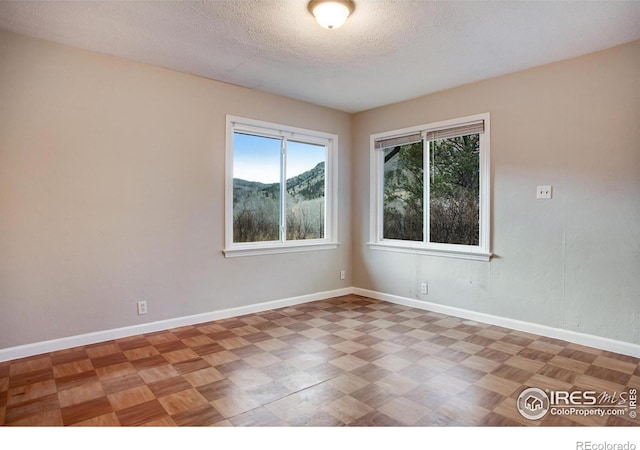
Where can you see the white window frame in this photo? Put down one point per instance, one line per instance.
(260, 128)
(481, 252)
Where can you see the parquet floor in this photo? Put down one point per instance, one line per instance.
(344, 361)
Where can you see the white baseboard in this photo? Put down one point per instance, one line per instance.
(38, 348)
(589, 340)
(22, 351)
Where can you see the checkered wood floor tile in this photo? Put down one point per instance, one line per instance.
(344, 361)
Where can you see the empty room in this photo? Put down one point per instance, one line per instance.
(320, 214)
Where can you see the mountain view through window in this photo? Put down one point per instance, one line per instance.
(278, 189)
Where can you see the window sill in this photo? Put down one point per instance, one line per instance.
(277, 247)
(416, 249)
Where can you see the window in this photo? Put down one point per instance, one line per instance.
(280, 189)
(430, 191)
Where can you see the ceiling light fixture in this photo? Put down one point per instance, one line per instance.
(331, 14)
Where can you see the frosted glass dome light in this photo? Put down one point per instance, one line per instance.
(331, 14)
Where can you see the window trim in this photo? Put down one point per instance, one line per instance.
(267, 129)
(481, 252)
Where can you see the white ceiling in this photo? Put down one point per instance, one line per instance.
(387, 51)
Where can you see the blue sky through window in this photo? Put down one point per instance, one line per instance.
(257, 158)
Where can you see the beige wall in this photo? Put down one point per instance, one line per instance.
(112, 191)
(572, 262)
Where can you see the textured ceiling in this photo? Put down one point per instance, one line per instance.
(387, 51)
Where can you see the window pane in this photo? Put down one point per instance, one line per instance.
(256, 188)
(403, 213)
(305, 190)
(455, 190)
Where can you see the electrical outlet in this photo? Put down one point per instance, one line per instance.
(424, 289)
(543, 192)
(142, 308)
(343, 274)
